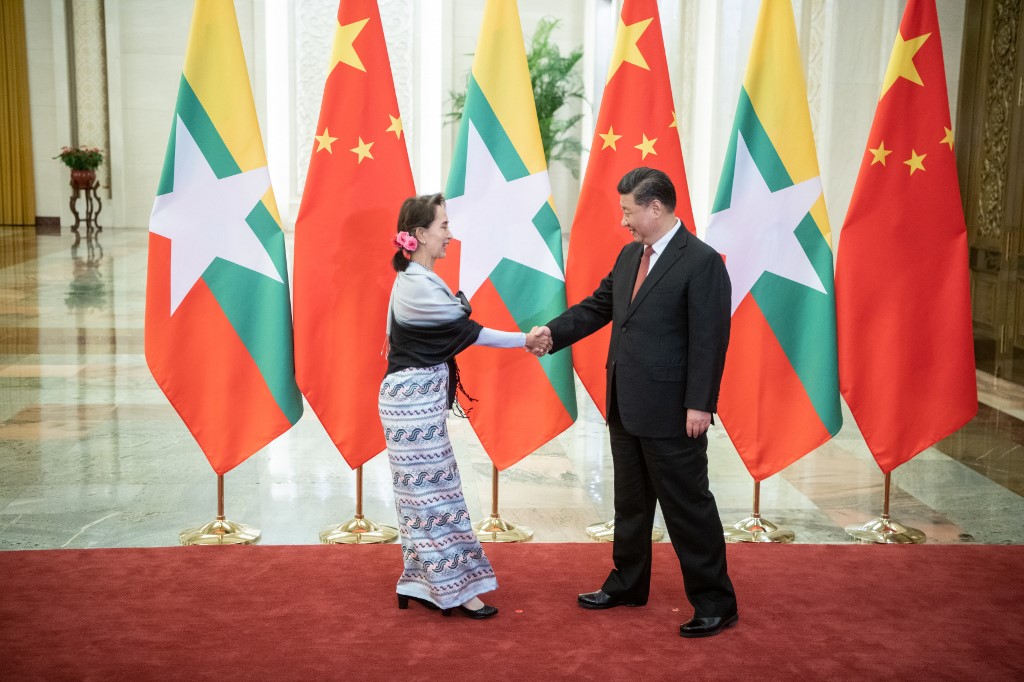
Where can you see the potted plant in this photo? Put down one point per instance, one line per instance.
(83, 162)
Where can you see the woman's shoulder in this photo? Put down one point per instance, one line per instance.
(418, 276)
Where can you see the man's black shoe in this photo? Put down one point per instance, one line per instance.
(706, 627)
(601, 600)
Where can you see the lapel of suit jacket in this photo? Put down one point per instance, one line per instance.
(629, 267)
(673, 252)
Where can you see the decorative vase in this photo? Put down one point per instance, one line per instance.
(83, 178)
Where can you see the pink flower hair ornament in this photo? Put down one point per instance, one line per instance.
(404, 240)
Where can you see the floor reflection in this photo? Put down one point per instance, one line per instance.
(92, 455)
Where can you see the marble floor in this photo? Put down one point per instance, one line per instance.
(92, 455)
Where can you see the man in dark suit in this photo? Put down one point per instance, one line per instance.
(668, 299)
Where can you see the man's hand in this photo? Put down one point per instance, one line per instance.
(539, 341)
(697, 422)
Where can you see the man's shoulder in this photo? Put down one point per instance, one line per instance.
(700, 248)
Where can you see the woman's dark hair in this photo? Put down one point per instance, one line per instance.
(648, 184)
(415, 212)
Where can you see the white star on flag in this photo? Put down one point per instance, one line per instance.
(756, 232)
(494, 219)
(204, 217)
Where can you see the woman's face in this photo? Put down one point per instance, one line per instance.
(435, 237)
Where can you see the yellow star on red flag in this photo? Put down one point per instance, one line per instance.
(916, 162)
(343, 50)
(901, 62)
(396, 126)
(362, 150)
(646, 147)
(609, 139)
(948, 139)
(880, 153)
(626, 49)
(324, 141)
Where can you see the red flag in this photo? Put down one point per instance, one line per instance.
(906, 354)
(637, 126)
(358, 176)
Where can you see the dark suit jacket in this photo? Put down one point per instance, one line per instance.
(668, 345)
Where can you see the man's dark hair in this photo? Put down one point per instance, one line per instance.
(648, 184)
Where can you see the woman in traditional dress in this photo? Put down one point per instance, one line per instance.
(445, 566)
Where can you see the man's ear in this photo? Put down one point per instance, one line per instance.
(657, 208)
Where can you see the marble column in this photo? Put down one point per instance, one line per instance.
(89, 65)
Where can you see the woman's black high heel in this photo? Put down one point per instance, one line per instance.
(403, 603)
(484, 611)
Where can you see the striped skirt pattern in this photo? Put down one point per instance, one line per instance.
(444, 561)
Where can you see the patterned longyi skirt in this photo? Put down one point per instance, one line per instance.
(444, 561)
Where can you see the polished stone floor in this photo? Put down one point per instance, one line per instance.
(92, 455)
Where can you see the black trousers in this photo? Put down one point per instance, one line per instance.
(674, 472)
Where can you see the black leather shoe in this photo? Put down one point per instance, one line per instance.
(603, 600)
(484, 611)
(707, 626)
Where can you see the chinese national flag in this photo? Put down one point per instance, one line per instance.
(636, 126)
(358, 177)
(906, 358)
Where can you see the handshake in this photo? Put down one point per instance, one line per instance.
(539, 341)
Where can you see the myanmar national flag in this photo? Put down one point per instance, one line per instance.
(218, 323)
(906, 347)
(637, 126)
(507, 255)
(780, 392)
(358, 177)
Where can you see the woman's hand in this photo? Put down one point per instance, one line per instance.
(539, 341)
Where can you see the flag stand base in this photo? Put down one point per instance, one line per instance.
(755, 529)
(605, 532)
(221, 532)
(885, 531)
(497, 529)
(358, 531)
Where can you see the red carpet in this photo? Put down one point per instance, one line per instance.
(818, 612)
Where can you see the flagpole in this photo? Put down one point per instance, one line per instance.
(495, 528)
(883, 530)
(221, 531)
(756, 529)
(358, 530)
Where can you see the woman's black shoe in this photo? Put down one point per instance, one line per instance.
(481, 613)
(403, 603)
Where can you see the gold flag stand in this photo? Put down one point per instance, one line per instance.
(495, 528)
(755, 529)
(358, 530)
(220, 531)
(883, 530)
(605, 532)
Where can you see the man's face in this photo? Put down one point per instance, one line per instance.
(641, 221)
